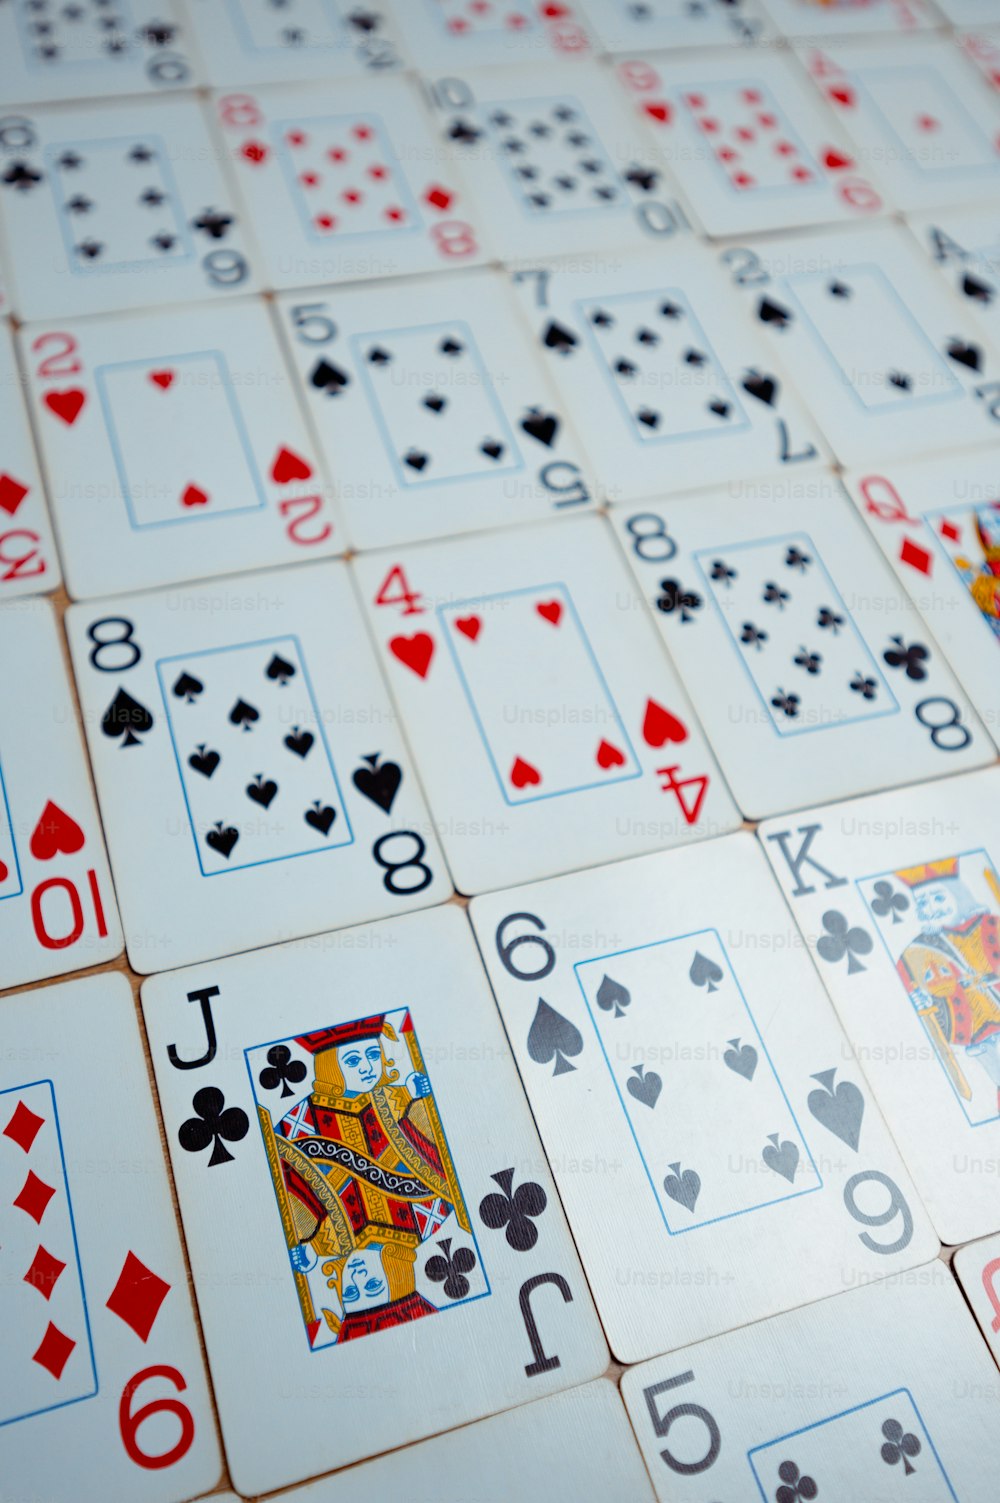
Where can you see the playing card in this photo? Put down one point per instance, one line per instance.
(539, 705)
(634, 25)
(882, 353)
(175, 447)
(258, 41)
(251, 778)
(346, 187)
(850, 18)
(57, 907)
(670, 388)
(28, 561)
(470, 33)
(968, 12)
(553, 161)
(938, 524)
(90, 50)
(882, 1394)
(103, 1391)
(977, 1268)
(433, 413)
(916, 111)
(983, 47)
(336, 1093)
(747, 141)
(964, 245)
(670, 1030)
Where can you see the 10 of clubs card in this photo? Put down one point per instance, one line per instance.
(549, 728)
(350, 1107)
(245, 752)
(898, 898)
(634, 25)
(28, 562)
(260, 41)
(471, 33)
(689, 1079)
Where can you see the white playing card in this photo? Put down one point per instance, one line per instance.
(916, 111)
(456, 34)
(348, 186)
(883, 355)
(257, 41)
(28, 561)
(669, 387)
(175, 448)
(633, 25)
(810, 668)
(899, 899)
(883, 1394)
(671, 1032)
(57, 906)
(747, 141)
(342, 1087)
(103, 1391)
(983, 48)
(977, 1268)
(968, 12)
(850, 18)
(938, 524)
(251, 778)
(548, 727)
(964, 244)
(433, 413)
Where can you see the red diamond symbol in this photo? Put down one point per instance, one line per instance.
(53, 1350)
(950, 531)
(917, 557)
(439, 198)
(137, 1296)
(44, 1271)
(23, 1126)
(12, 493)
(395, 215)
(34, 1197)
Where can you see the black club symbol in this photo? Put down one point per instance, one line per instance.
(795, 1485)
(810, 661)
(774, 595)
(721, 572)
(829, 619)
(866, 687)
(843, 939)
(911, 659)
(752, 636)
(788, 704)
(514, 1209)
(796, 559)
(887, 901)
(450, 1270)
(281, 1070)
(215, 1121)
(676, 598)
(899, 1446)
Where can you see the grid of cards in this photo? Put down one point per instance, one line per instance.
(500, 750)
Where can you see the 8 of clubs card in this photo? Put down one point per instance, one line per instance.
(28, 562)
(261, 41)
(350, 1108)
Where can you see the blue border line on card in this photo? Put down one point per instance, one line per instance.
(906, 154)
(5, 811)
(278, 130)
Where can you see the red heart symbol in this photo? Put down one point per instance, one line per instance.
(522, 773)
(658, 109)
(609, 756)
(254, 151)
(162, 379)
(193, 496)
(4, 871)
(55, 832)
(841, 94)
(469, 626)
(288, 466)
(66, 404)
(836, 159)
(414, 652)
(658, 725)
(554, 12)
(927, 122)
(551, 610)
(12, 493)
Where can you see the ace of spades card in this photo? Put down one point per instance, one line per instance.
(898, 898)
(484, 33)
(964, 245)
(28, 561)
(634, 25)
(329, 1101)
(434, 419)
(567, 731)
(57, 905)
(256, 41)
(245, 751)
(668, 1027)
(115, 206)
(884, 1394)
(670, 389)
(103, 1391)
(197, 458)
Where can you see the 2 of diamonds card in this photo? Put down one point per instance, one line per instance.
(432, 410)
(631, 25)
(175, 447)
(90, 50)
(549, 729)
(258, 41)
(251, 777)
(668, 1026)
(470, 33)
(103, 1391)
(351, 1106)
(28, 561)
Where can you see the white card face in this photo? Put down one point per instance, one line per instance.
(102, 1360)
(57, 906)
(87, 51)
(256, 41)
(669, 387)
(117, 206)
(195, 455)
(433, 411)
(968, 12)
(632, 25)
(251, 777)
(28, 561)
(938, 525)
(899, 899)
(567, 732)
(687, 1040)
(747, 141)
(874, 1395)
(849, 18)
(883, 354)
(473, 33)
(964, 245)
(977, 1268)
(339, 1090)
(811, 670)
(917, 111)
(983, 47)
(348, 186)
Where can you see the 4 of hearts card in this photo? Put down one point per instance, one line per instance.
(28, 562)
(257, 41)
(350, 1109)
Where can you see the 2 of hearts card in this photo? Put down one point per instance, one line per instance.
(460, 34)
(175, 447)
(349, 1108)
(103, 1391)
(252, 780)
(549, 729)
(629, 26)
(680, 1057)
(28, 561)
(257, 41)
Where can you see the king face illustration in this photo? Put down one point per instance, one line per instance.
(980, 569)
